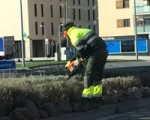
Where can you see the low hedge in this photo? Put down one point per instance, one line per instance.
(57, 89)
(39, 89)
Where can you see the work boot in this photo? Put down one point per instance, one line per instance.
(97, 101)
(92, 105)
(82, 105)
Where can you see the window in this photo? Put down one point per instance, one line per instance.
(127, 46)
(126, 4)
(126, 22)
(123, 23)
(35, 10)
(89, 14)
(113, 46)
(42, 11)
(93, 2)
(73, 2)
(36, 28)
(79, 14)
(146, 2)
(88, 2)
(93, 14)
(61, 28)
(52, 28)
(60, 11)
(78, 2)
(51, 10)
(122, 4)
(94, 28)
(147, 21)
(43, 28)
(74, 14)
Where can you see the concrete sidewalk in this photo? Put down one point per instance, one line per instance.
(105, 112)
(110, 57)
(125, 64)
(126, 57)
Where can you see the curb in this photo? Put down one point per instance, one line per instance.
(105, 110)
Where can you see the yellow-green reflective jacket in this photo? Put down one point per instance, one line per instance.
(75, 34)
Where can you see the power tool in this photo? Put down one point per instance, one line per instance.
(74, 67)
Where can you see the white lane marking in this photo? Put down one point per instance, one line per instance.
(110, 117)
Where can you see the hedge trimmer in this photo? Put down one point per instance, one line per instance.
(73, 67)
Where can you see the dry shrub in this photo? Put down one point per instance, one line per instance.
(15, 91)
(145, 78)
(119, 85)
(42, 89)
(39, 89)
(58, 89)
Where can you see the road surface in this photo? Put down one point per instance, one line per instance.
(131, 110)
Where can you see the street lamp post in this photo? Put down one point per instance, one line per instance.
(66, 17)
(22, 41)
(59, 43)
(46, 40)
(135, 30)
(66, 10)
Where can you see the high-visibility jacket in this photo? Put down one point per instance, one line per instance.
(76, 34)
(84, 40)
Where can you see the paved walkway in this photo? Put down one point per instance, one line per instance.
(123, 57)
(110, 57)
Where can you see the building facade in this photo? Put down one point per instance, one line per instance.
(125, 25)
(42, 22)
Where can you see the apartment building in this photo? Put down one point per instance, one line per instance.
(42, 22)
(125, 25)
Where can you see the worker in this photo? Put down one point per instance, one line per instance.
(89, 46)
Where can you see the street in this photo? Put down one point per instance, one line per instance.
(131, 110)
(125, 64)
(142, 113)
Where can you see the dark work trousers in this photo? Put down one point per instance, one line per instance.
(94, 67)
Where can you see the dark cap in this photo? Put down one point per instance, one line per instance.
(68, 25)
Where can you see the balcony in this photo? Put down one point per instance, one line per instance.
(141, 29)
(142, 10)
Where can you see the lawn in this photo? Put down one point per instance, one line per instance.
(38, 63)
(48, 62)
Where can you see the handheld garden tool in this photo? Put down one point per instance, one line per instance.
(72, 67)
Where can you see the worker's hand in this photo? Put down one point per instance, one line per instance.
(81, 60)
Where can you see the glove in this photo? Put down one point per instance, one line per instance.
(81, 60)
